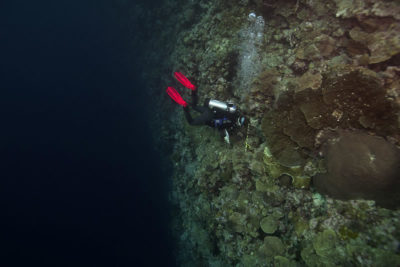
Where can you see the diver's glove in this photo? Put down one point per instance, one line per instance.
(226, 138)
(240, 121)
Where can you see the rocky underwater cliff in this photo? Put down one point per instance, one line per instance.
(313, 179)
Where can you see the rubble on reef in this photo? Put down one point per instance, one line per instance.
(327, 82)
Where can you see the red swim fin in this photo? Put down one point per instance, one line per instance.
(184, 81)
(176, 96)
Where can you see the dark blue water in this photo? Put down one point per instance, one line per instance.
(80, 182)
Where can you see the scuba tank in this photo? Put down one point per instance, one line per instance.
(219, 105)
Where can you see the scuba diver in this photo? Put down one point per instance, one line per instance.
(214, 113)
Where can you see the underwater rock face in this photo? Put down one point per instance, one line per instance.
(361, 166)
(383, 43)
(378, 26)
(320, 65)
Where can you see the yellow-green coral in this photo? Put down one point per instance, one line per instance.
(346, 233)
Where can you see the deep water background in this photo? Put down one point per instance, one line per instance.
(81, 184)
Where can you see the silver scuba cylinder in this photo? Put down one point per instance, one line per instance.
(229, 107)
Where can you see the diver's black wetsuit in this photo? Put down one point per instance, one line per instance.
(214, 118)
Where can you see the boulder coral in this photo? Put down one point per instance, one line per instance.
(361, 166)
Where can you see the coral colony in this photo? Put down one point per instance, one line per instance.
(313, 180)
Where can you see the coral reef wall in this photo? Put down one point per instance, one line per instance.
(313, 178)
